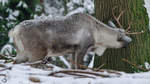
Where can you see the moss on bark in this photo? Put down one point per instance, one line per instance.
(139, 50)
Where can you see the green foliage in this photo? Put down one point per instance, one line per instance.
(15, 11)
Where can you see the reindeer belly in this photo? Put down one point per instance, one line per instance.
(59, 49)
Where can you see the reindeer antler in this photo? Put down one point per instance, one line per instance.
(118, 22)
(128, 28)
(132, 33)
(117, 18)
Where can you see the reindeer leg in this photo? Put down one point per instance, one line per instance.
(78, 57)
(73, 61)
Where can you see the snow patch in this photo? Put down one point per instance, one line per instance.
(147, 6)
(57, 7)
(16, 13)
(89, 5)
(91, 64)
(7, 49)
(1, 17)
(38, 8)
(4, 1)
(147, 65)
(78, 10)
(20, 74)
(21, 3)
(65, 62)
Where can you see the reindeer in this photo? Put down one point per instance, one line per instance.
(76, 34)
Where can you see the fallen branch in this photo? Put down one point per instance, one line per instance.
(8, 68)
(3, 75)
(38, 64)
(78, 75)
(82, 66)
(10, 54)
(4, 57)
(3, 65)
(100, 66)
(135, 65)
(97, 69)
(34, 63)
(75, 72)
(110, 71)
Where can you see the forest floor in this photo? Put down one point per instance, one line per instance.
(50, 74)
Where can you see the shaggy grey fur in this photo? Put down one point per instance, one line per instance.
(76, 34)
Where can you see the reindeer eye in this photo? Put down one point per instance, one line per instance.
(119, 38)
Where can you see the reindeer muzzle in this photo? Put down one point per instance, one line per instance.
(126, 40)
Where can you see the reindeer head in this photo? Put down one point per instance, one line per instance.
(113, 38)
(122, 40)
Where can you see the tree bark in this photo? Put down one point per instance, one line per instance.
(139, 50)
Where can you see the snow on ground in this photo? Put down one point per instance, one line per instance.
(23, 74)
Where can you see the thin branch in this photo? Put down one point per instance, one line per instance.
(110, 71)
(3, 75)
(100, 66)
(3, 65)
(81, 66)
(9, 53)
(81, 75)
(78, 71)
(4, 57)
(34, 63)
(97, 69)
(135, 65)
(37, 63)
(8, 68)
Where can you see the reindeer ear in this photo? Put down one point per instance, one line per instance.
(111, 24)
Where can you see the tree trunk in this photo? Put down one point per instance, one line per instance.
(139, 50)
